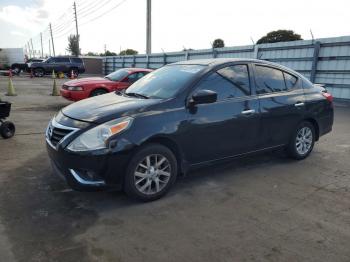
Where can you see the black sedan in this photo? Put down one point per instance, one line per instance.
(182, 116)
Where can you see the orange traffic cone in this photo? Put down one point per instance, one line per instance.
(72, 76)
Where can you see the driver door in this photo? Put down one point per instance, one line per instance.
(230, 126)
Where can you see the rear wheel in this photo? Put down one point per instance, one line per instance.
(151, 173)
(7, 129)
(98, 92)
(303, 141)
(39, 72)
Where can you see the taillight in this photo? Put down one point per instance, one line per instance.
(328, 96)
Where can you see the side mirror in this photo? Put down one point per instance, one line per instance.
(204, 97)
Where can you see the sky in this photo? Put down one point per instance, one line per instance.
(176, 24)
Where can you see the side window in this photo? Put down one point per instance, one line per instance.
(76, 60)
(269, 80)
(228, 82)
(238, 75)
(134, 77)
(291, 81)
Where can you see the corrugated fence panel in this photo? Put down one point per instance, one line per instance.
(324, 61)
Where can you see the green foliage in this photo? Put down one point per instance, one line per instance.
(73, 45)
(218, 43)
(279, 36)
(92, 54)
(128, 52)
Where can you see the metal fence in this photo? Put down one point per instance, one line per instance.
(324, 61)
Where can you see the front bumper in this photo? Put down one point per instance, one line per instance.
(87, 171)
(73, 95)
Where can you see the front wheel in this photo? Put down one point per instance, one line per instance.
(98, 92)
(302, 142)
(151, 173)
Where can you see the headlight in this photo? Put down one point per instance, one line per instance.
(96, 137)
(75, 88)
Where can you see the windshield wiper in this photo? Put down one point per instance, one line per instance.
(136, 95)
(119, 93)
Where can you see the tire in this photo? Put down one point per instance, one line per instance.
(302, 142)
(7, 129)
(16, 70)
(143, 174)
(39, 72)
(97, 92)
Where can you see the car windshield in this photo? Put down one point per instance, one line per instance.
(117, 75)
(165, 82)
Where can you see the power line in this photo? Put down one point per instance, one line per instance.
(97, 5)
(111, 9)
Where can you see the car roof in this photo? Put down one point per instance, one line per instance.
(136, 69)
(218, 61)
(212, 62)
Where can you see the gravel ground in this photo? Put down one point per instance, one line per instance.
(262, 208)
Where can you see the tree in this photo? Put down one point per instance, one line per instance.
(73, 45)
(92, 54)
(109, 53)
(279, 36)
(218, 43)
(128, 52)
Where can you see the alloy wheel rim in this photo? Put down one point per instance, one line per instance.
(152, 174)
(303, 141)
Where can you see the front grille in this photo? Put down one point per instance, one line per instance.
(56, 134)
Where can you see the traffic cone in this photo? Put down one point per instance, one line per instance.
(55, 91)
(72, 76)
(10, 88)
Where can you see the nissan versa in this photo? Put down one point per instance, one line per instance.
(186, 115)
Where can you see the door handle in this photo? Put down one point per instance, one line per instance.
(299, 104)
(248, 112)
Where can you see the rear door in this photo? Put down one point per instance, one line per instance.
(282, 104)
(229, 126)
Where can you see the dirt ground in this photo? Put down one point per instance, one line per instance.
(261, 208)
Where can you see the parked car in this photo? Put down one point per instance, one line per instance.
(23, 67)
(121, 79)
(64, 64)
(183, 116)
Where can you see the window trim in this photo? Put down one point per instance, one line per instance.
(276, 68)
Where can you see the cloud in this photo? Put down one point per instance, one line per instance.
(17, 33)
(23, 17)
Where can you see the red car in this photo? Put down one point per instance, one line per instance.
(79, 89)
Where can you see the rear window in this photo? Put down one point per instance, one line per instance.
(291, 81)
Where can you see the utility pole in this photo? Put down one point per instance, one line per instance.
(76, 26)
(31, 42)
(41, 41)
(149, 28)
(53, 45)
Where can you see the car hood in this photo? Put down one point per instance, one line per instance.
(100, 109)
(88, 80)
